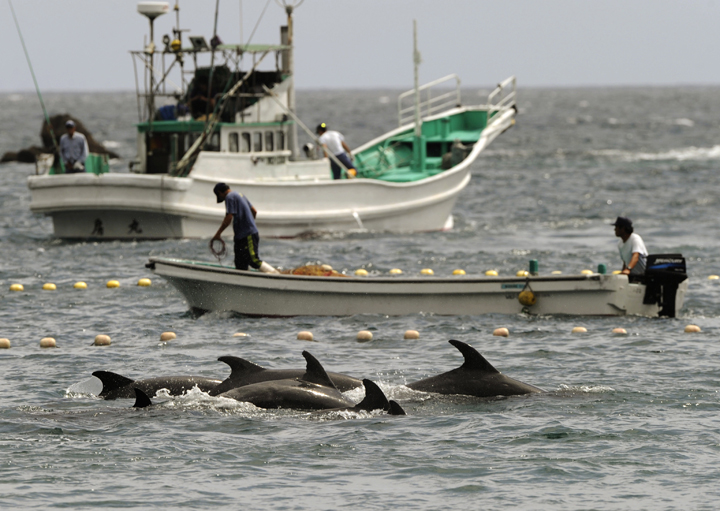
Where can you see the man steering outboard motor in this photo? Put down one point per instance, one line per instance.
(663, 275)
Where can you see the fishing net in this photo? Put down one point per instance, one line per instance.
(314, 270)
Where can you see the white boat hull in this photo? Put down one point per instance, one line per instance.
(292, 198)
(128, 206)
(208, 287)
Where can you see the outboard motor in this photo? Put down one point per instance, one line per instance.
(663, 274)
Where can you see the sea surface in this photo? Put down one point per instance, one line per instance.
(628, 421)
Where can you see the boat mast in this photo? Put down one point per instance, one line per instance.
(292, 132)
(419, 149)
(152, 10)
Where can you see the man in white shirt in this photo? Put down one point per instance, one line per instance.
(632, 248)
(334, 142)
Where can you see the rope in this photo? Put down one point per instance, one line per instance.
(219, 253)
(258, 22)
(37, 88)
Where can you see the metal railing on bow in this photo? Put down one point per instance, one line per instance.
(433, 99)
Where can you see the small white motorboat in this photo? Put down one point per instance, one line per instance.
(212, 287)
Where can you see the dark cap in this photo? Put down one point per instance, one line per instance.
(70, 123)
(623, 222)
(220, 188)
(321, 127)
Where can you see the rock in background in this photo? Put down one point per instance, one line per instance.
(29, 155)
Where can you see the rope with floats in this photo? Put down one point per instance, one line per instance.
(37, 88)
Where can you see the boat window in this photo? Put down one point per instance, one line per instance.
(269, 145)
(190, 139)
(245, 143)
(214, 143)
(233, 142)
(280, 139)
(257, 142)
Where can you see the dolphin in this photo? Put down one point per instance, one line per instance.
(476, 377)
(117, 386)
(313, 391)
(244, 372)
(374, 400)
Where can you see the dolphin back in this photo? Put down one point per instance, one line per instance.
(111, 383)
(475, 377)
(244, 372)
(295, 394)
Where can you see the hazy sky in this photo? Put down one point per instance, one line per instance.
(84, 44)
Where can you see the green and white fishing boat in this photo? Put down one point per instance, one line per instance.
(407, 179)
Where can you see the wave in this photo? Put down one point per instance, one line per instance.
(682, 154)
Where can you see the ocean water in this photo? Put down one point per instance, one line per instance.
(628, 422)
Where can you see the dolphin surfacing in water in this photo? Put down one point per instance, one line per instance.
(243, 372)
(117, 386)
(313, 391)
(476, 377)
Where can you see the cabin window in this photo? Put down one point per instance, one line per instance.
(233, 142)
(214, 142)
(257, 142)
(245, 143)
(280, 139)
(269, 144)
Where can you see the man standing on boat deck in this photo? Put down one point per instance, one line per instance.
(73, 149)
(632, 248)
(242, 214)
(334, 142)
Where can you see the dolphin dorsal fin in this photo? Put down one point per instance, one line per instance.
(374, 398)
(141, 399)
(315, 372)
(473, 360)
(111, 381)
(395, 408)
(240, 366)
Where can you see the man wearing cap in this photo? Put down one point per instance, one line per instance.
(632, 248)
(73, 149)
(242, 214)
(334, 142)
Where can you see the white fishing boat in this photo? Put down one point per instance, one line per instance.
(212, 287)
(407, 179)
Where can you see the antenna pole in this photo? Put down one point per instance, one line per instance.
(419, 147)
(37, 88)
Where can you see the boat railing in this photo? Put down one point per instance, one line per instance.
(503, 96)
(429, 103)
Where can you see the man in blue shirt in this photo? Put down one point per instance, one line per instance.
(242, 214)
(73, 149)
